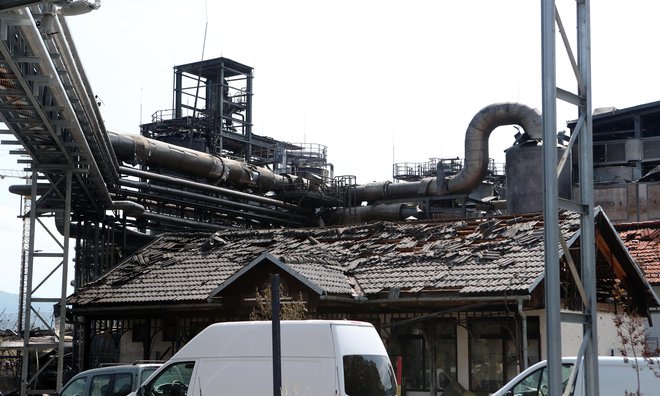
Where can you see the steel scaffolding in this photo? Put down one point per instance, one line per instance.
(586, 278)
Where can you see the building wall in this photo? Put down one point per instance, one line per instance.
(571, 335)
(627, 203)
(608, 341)
(653, 332)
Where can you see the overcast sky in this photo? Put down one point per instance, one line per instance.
(376, 81)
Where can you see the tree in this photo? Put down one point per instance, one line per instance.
(290, 309)
(632, 337)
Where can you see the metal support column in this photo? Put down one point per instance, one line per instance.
(551, 198)
(29, 380)
(28, 289)
(582, 70)
(588, 239)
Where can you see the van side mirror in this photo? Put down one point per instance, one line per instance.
(140, 391)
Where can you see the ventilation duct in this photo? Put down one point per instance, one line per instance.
(476, 156)
(135, 149)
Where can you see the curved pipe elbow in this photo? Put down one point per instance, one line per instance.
(483, 123)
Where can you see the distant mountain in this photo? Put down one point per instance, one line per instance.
(9, 311)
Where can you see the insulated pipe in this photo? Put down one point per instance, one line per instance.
(81, 85)
(31, 35)
(361, 214)
(135, 149)
(484, 122)
(246, 209)
(476, 156)
(209, 188)
(78, 7)
(135, 239)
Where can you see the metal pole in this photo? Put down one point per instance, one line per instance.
(65, 265)
(28, 289)
(551, 200)
(277, 352)
(587, 238)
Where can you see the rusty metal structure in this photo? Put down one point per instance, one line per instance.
(199, 165)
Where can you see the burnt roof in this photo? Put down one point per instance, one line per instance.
(643, 243)
(500, 256)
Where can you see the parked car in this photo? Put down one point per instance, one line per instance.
(116, 380)
(616, 377)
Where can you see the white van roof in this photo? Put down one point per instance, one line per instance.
(304, 338)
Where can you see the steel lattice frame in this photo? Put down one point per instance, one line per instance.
(550, 19)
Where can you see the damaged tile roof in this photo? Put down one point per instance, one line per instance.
(643, 243)
(494, 256)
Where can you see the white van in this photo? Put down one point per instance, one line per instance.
(319, 357)
(615, 377)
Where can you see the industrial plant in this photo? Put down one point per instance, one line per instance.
(182, 225)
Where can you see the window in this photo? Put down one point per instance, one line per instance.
(604, 131)
(169, 329)
(140, 332)
(77, 387)
(426, 350)
(445, 354)
(495, 353)
(536, 383)
(651, 125)
(172, 381)
(146, 372)
(100, 385)
(123, 384)
(368, 375)
(413, 351)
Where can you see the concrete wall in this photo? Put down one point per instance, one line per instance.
(608, 341)
(632, 202)
(571, 335)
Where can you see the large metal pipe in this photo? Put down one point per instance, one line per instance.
(483, 123)
(135, 149)
(33, 38)
(245, 209)
(212, 189)
(363, 214)
(80, 83)
(475, 163)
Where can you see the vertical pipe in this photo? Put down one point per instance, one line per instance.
(178, 87)
(248, 115)
(551, 200)
(587, 224)
(275, 319)
(523, 334)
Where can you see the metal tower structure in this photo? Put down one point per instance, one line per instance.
(585, 276)
(45, 104)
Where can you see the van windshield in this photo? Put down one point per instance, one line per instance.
(368, 375)
(536, 383)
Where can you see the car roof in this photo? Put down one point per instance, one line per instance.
(135, 367)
